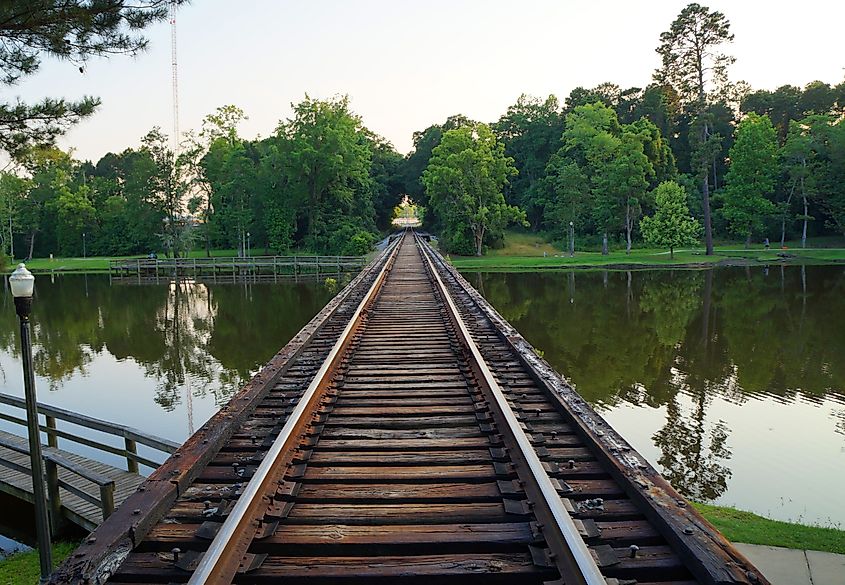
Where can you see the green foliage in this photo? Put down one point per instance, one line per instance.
(692, 61)
(671, 226)
(751, 177)
(531, 132)
(71, 30)
(327, 167)
(464, 181)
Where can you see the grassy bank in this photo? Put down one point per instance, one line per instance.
(739, 526)
(525, 251)
(23, 568)
(101, 263)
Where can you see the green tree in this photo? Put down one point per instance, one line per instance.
(327, 170)
(531, 131)
(13, 190)
(464, 181)
(613, 158)
(166, 189)
(70, 30)
(695, 66)
(671, 226)
(222, 126)
(751, 177)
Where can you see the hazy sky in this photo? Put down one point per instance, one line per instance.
(406, 65)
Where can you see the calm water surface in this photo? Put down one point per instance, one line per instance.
(161, 358)
(730, 381)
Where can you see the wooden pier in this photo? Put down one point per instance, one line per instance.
(80, 489)
(407, 434)
(232, 267)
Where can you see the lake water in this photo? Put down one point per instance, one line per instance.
(731, 381)
(161, 358)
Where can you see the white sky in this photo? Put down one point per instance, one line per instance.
(407, 65)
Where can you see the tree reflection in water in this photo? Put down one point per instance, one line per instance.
(192, 339)
(678, 340)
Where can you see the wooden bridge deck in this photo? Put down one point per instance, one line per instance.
(74, 508)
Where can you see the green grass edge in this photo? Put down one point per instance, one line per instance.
(750, 528)
(23, 568)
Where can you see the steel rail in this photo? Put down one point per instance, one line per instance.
(586, 564)
(220, 562)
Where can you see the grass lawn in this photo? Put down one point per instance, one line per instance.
(525, 251)
(101, 263)
(739, 526)
(23, 568)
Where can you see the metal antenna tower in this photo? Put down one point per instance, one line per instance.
(175, 82)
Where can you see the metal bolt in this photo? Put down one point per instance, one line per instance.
(176, 552)
(571, 464)
(252, 438)
(688, 530)
(91, 540)
(206, 504)
(136, 511)
(633, 548)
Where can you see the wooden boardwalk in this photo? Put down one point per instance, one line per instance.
(74, 508)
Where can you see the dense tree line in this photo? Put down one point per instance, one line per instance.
(752, 163)
(322, 183)
(744, 164)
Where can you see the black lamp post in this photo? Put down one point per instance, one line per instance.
(84, 250)
(571, 239)
(22, 284)
(248, 246)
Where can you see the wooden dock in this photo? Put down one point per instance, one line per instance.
(79, 489)
(86, 476)
(232, 267)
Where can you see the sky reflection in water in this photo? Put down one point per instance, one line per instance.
(730, 381)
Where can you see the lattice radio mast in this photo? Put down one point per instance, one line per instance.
(175, 82)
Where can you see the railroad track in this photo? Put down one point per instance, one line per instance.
(412, 438)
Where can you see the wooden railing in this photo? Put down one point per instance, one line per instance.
(54, 460)
(235, 265)
(131, 437)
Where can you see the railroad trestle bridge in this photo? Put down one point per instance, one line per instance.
(407, 434)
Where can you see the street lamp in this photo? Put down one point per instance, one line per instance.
(84, 252)
(571, 239)
(248, 246)
(22, 284)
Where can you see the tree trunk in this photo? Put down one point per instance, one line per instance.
(208, 229)
(31, 244)
(604, 251)
(671, 252)
(747, 241)
(628, 227)
(705, 204)
(479, 241)
(715, 178)
(783, 218)
(804, 230)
